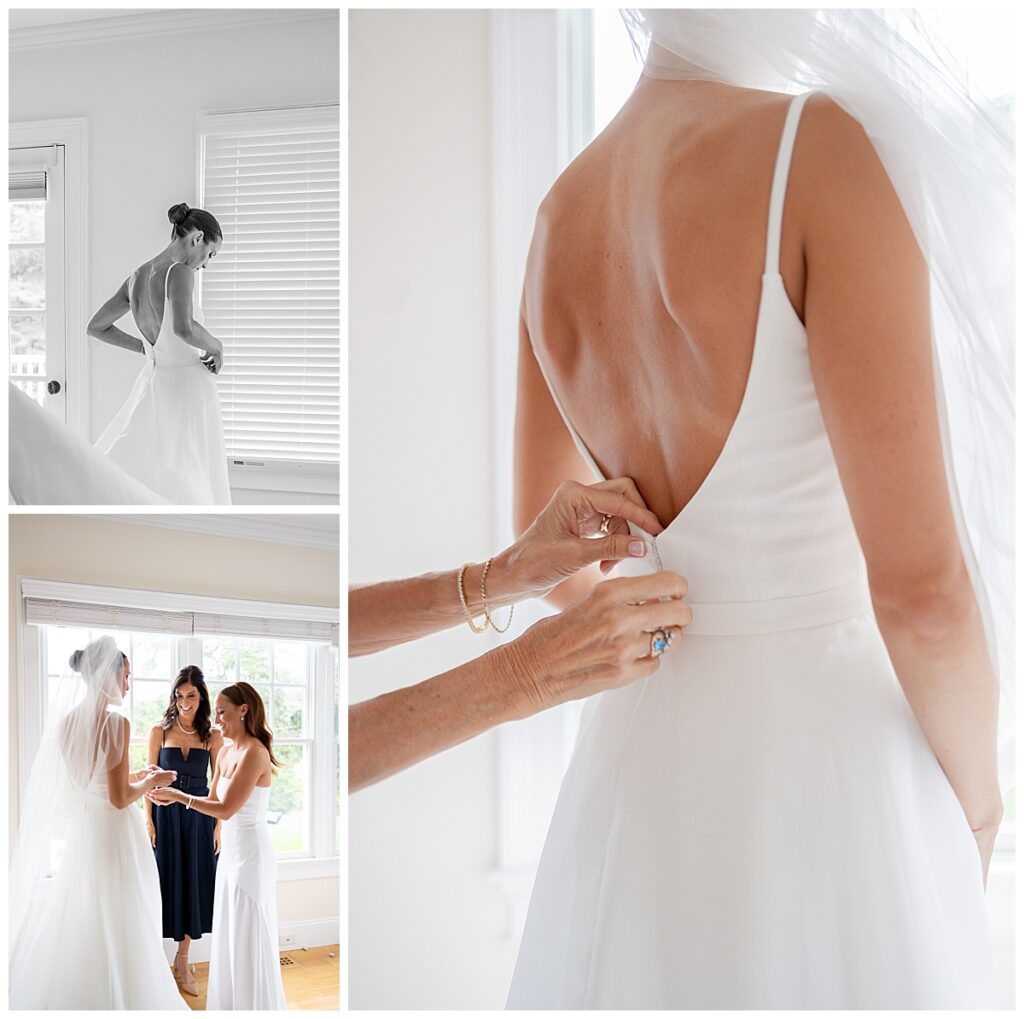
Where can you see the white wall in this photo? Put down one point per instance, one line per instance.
(141, 97)
(82, 549)
(427, 926)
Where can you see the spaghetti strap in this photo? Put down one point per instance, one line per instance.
(780, 181)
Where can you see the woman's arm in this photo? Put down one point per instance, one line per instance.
(545, 456)
(564, 538)
(869, 333)
(216, 746)
(179, 292)
(602, 641)
(121, 790)
(101, 325)
(250, 769)
(152, 759)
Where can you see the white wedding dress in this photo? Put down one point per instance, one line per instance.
(50, 465)
(245, 963)
(169, 434)
(761, 824)
(94, 937)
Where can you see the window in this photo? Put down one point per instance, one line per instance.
(46, 310)
(35, 251)
(272, 294)
(298, 680)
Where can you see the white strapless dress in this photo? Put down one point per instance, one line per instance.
(169, 434)
(245, 962)
(94, 939)
(761, 824)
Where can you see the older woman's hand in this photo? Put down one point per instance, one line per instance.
(567, 534)
(600, 642)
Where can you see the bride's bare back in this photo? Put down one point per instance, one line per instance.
(641, 300)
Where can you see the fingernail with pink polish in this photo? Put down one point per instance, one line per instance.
(638, 548)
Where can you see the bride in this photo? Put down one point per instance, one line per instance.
(85, 925)
(245, 966)
(169, 434)
(752, 303)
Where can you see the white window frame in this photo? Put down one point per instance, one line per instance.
(542, 113)
(322, 859)
(300, 476)
(68, 301)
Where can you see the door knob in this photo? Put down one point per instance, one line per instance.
(53, 388)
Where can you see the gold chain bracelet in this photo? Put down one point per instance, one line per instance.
(465, 607)
(483, 595)
(488, 620)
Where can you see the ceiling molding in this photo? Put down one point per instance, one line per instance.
(151, 23)
(274, 530)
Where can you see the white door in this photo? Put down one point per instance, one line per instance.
(36, 319)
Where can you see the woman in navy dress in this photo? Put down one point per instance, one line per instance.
(186, 842)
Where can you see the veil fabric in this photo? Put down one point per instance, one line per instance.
(85, 910)
(948, 151)
(83, 737)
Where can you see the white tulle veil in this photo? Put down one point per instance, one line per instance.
(948, 150)
(84, 735)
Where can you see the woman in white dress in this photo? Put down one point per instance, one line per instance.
(245, 964)
(169, 434)
(85, 926)
(725, 301)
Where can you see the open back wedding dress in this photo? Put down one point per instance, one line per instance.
(169, 434)
(761, 824)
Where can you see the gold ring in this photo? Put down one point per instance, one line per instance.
(605, 521)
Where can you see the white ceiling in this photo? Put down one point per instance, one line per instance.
(46, 18)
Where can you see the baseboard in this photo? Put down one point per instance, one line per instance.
(297, 935)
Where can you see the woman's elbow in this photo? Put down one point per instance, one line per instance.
(933, 606)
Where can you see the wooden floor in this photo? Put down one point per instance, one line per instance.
(310, 977)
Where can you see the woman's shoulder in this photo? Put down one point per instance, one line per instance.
(156, 730)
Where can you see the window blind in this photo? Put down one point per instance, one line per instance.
(26, 185)
(272, 294)
(61, 612)
(214, 624)
(57, 612)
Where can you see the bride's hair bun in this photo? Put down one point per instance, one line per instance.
(177, 214)
(75, 661)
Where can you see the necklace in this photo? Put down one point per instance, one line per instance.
(188, 732)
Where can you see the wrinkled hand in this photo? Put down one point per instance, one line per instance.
(567, 536)
(214, 361)
(598, 643)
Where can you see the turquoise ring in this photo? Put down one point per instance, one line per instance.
(661, 641)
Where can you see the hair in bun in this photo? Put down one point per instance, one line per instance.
(75, 661)
(184, 219)
(177, 214)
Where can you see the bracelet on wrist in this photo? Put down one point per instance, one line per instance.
(488, 619)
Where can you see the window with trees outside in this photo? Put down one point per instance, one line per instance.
(295, 678)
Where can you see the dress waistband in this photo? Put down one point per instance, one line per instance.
(196, 784)
(768, 616)
(177, 362)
